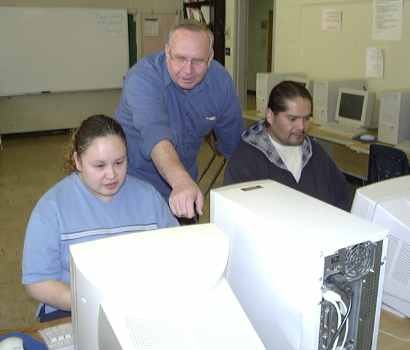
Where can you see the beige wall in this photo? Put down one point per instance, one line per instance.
(143, 5)
(67, 110)
(302, 46)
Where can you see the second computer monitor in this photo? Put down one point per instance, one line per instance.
(355, 108)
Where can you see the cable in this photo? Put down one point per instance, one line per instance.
(336, 300)
(344, 312)
(345, 320)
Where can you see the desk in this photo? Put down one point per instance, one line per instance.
(351, 156)
(389, 324)
(33, 330)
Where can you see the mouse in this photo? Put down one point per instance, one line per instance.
(367, 137)
(11, 343)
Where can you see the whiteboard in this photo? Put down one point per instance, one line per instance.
(62, 49)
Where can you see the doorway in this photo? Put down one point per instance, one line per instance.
(254, 51)
(260, 44)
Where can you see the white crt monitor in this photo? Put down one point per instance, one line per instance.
(308, 275)
(355, 108)
(387, 203)
(157, 290)
(325, 93)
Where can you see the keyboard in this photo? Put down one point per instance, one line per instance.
(349, 132)
(58, 337)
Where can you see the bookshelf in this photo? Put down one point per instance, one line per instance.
(212, 13)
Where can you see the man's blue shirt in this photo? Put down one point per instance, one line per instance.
(154, 108)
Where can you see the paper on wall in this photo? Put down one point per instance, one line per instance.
(374, 62)
(331, 20)
(387, 19)
(151, 26)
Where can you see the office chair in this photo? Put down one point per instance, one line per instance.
(386, 162)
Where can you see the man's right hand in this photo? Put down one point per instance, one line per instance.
(186, 199)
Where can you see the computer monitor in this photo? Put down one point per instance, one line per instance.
(297, 264)
(394, 121)
(162, 289)
(355, 108)
(387, 203)
(325, 93)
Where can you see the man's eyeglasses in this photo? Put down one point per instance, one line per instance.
(181, 61)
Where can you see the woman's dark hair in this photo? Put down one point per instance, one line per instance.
(98, 125)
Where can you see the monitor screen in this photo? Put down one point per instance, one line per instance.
(354, 108)
(351, 106)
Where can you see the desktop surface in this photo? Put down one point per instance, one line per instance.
(394, 331)
(347, 131)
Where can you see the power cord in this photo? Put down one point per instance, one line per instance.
(336, 300)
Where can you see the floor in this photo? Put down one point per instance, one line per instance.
(29, 165)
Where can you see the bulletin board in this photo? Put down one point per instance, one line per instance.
(155, 29)
(62, 49)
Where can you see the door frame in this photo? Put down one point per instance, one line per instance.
(237, 14)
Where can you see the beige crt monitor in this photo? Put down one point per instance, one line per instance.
(387, 203)
(325, 93)
(308, 275)
(354, 108)
(157, 290)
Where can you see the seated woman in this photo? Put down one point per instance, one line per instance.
(97, 199)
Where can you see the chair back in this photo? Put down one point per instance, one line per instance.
(386, 162)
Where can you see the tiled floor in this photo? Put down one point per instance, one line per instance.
(29, 165)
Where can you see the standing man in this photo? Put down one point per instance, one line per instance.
(278, 148)
(170, 101)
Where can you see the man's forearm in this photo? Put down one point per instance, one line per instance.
(185, 199)
(168, 164)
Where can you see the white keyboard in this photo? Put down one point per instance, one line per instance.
(342, 130)
(58, 337)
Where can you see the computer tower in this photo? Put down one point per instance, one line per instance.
(394, 117)
(325, 94)
(308, 275)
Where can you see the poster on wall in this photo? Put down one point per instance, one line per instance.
(387, 19)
